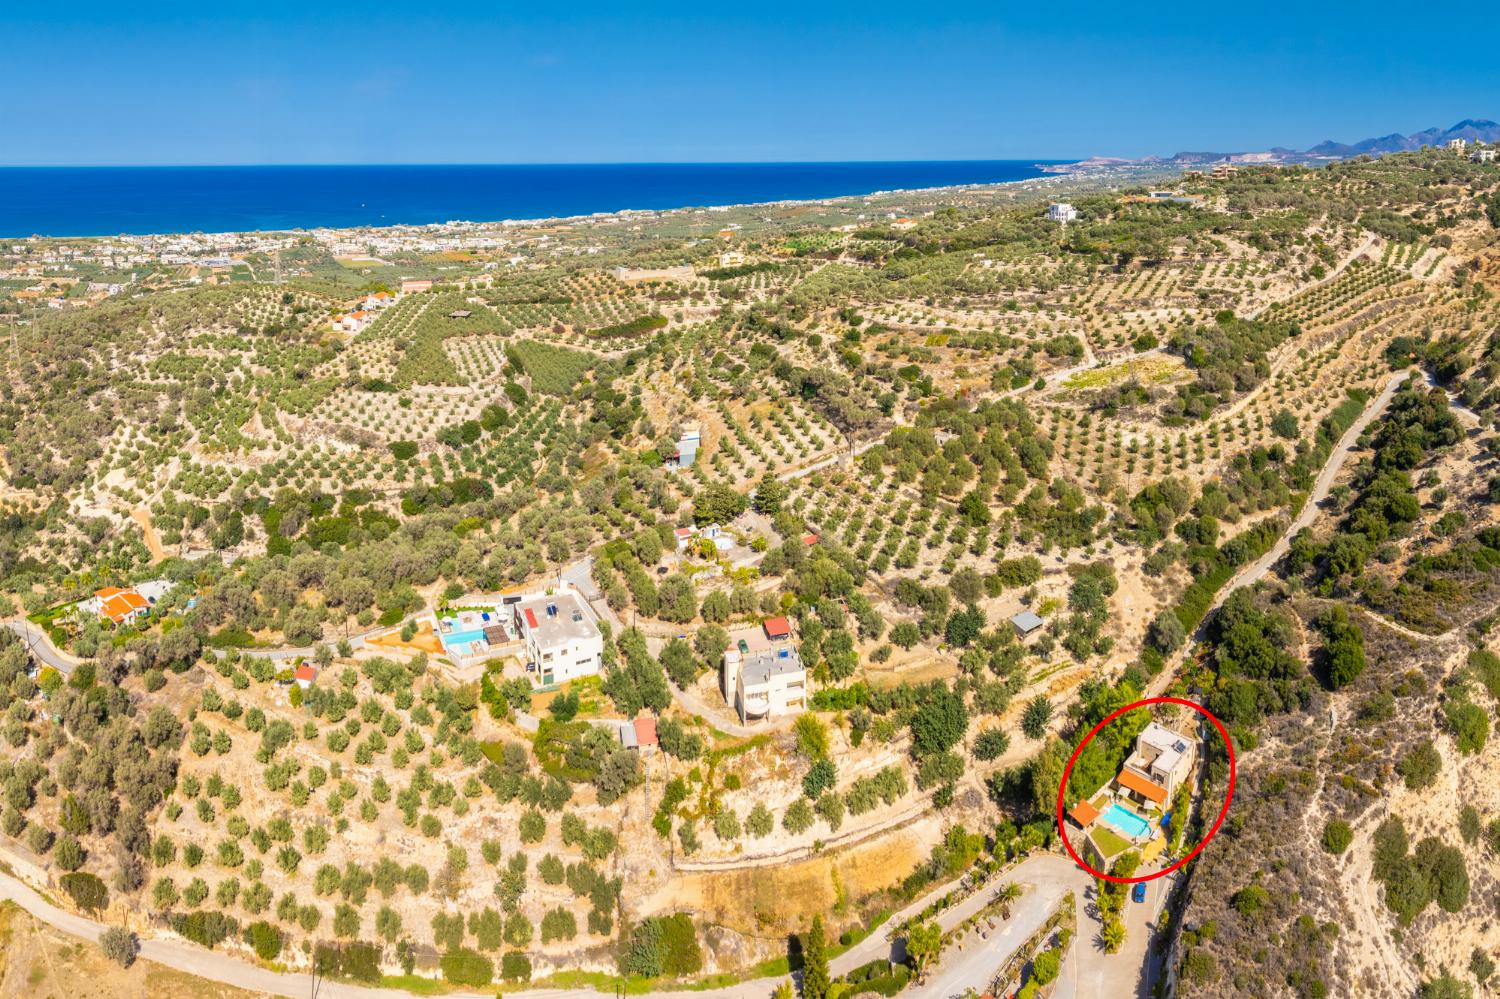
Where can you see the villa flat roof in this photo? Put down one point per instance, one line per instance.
(760, 667)
(1164, 739)
(572, 620)
(1168, 760)
(1132, 781)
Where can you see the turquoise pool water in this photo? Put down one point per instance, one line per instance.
(464, 643)
(1126, 821)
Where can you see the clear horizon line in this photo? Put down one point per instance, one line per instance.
(538, 163)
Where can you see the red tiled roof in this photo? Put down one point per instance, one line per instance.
(1132, 781)
(809, 539)
(645, 731)
(778, 627)
(1084, 812)
(121, 604)
(306, 672)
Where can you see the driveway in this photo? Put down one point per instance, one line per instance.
(1048, 877)
(1089, 973)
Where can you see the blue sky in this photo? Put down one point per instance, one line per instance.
(332, 82)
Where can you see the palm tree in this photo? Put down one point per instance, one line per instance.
(1113, 935)
(1006, 895)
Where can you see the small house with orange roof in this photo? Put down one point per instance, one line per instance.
(352, 322)
(1084, 813)
(644, 731)
(778, 629)
(118, 605)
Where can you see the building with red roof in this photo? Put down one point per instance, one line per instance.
(1084, 813)
(1143, 788)
(645, 732)
(121, 605)
(778, 629)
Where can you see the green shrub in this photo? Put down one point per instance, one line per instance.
(1337, 836)
(515, 967)
(207, 929)
(467, 967)
(86, 891)
(265, 939)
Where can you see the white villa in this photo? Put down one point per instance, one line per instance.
(1162, 760)
(1062, 212)
(121, 605)
(1130, 813)
(763, 674)
(561, 636)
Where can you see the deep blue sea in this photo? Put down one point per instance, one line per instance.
(100, 201)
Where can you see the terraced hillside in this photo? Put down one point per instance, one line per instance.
(908, 436)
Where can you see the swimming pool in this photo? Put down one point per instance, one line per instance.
(1126, 821)
(464, 643)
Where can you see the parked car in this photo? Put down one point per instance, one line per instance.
(1138, 893)
(744, 647)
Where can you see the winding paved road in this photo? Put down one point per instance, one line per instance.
(1046, 876)
(40, 645)
(1255, 571)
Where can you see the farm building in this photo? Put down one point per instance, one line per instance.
(1027, 623)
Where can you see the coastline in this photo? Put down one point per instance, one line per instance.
(1041, 170)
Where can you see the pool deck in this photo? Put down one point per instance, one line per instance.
(1112, 840)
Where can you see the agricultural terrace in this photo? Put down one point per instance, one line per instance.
(907, 436)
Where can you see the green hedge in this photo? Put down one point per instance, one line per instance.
(354, 960)
(515, 967)
(207, 929)
(265, 939)
(467, 967)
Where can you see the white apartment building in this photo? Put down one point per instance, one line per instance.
(763, 675)
(561, 637)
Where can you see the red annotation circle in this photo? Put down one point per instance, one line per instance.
(1068, 770)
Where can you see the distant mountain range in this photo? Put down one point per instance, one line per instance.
(1472, 129)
